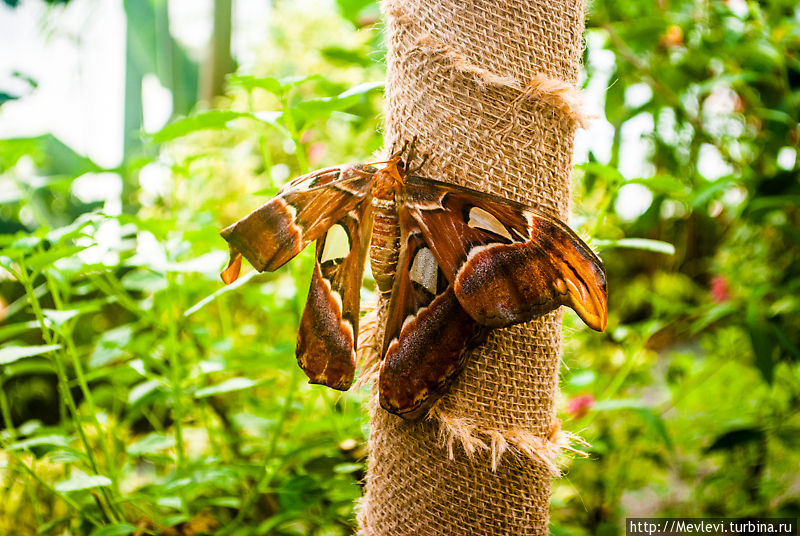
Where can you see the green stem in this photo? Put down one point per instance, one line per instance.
(29, 490)
(269, 470)
(176, 376)
(112, 287)
(5, 410)
(302, 161)
(75, 506)
(61, 372)
(80, 375)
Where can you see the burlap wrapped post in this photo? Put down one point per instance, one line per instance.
(488, 90)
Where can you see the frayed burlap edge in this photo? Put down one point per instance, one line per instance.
(461, 430)
(556, 93)
(369, 349)
(454, 430)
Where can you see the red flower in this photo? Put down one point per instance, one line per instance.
(580, 405)
(720, 292)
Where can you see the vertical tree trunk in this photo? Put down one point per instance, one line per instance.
(488, 90)
(219, 61)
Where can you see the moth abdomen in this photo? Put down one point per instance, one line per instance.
(385, 242)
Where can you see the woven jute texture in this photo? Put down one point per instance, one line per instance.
(487, 88)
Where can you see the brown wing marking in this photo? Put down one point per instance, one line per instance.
(300, 213)
(326, 340)
(428, 333)
(507, 262)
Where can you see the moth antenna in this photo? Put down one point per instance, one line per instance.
(412, 152)
(424, 161)
(418, 167)
(398, 153)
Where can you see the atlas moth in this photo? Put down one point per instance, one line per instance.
(452, 261)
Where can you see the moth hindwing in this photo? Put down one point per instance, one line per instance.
(467, 262)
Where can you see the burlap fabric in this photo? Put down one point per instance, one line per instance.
(488, 90)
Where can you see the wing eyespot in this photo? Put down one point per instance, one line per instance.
(424, 270)
(337, 246)
(478, 218)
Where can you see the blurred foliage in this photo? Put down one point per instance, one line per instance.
(691, 401)
(139, 396)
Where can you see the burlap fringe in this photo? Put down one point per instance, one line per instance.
(369, 350)
(459, 430)
(553, 92)
(455, 430)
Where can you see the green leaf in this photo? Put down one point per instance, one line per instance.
(702, 196)
(362, 89)
(276, 86)
(204, 264)
(346, 56)
(736, 438)
(37, 365)
(637, 243)
(609, 174)
(117, 529)
(57, 317)
(9, 354)
(267, 83)
(52, 156)
(657, 424)
(233, 384)
(762, 342)
(615, 110)
(620, 403)
(212, 119)
(312, 109)
(110, 345)
(42, 260)
(714, 314)
(144, 281)
(67, 455)
(582, 378)
(142, 390)
(347, 468)
(75, 229)
(351, 9)
(12, 330)
(223, 290)
(49, 440)
(48, 527)
(662, 184)
(24, 301)
(174, 503)
(153, 442)
(80, 481)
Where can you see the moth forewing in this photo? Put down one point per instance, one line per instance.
(508, 263)
(302, 211)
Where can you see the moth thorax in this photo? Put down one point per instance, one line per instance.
(385, 242)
